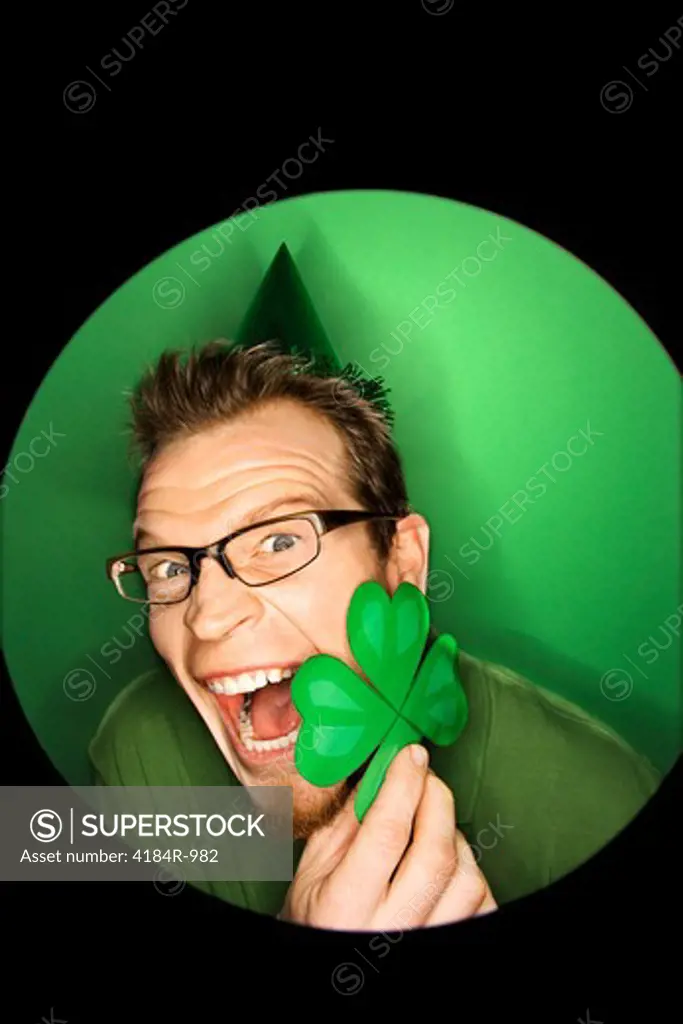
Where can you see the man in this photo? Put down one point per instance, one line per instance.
(256, 438)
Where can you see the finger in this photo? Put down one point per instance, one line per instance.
(385, 832)
(467, 893)
(430, 861)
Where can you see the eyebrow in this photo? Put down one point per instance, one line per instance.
(254, 516)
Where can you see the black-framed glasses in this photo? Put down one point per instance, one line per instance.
(257, 555)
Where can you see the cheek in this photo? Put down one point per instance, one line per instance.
(165, 630)
(315, 607)
(318, 603)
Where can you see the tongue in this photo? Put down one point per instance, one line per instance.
(272, 711)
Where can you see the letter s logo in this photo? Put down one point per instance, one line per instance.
(46, 826)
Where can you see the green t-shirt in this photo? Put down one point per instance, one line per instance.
(539, 786)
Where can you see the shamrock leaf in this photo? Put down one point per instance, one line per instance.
(437, 704)
(387, 637)
(343, 719)
(346, 718)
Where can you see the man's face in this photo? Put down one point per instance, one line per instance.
(281, 458)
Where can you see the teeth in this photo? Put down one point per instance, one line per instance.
(280, 742)
(247, 682)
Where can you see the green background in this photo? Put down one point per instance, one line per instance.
(513, 361)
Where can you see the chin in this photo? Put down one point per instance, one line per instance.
(312, 806)
(315, 808)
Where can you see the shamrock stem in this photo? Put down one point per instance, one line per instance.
(400, 735)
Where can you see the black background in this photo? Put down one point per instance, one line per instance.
(505, 115)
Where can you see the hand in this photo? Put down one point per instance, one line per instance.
(345, 879)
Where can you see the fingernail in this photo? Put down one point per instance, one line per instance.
(419, 755)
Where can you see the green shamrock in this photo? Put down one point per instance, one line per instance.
(345, 717)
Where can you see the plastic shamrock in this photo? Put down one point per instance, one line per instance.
(345, 717)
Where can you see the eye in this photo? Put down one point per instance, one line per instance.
(166, 570)
(278, 542)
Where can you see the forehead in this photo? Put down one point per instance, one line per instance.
(213, 480)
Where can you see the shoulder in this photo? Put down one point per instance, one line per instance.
(566, 781)
(151, 734)
(526, 718)
(141, 705)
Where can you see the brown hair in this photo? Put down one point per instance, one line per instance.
(180, 397)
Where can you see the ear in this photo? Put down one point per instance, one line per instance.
(408, 559)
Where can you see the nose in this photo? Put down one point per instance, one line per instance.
(218, 605)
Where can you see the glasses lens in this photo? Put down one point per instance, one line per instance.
(160, 577)
(267, 553)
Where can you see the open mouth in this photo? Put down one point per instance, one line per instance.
(257, 710)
